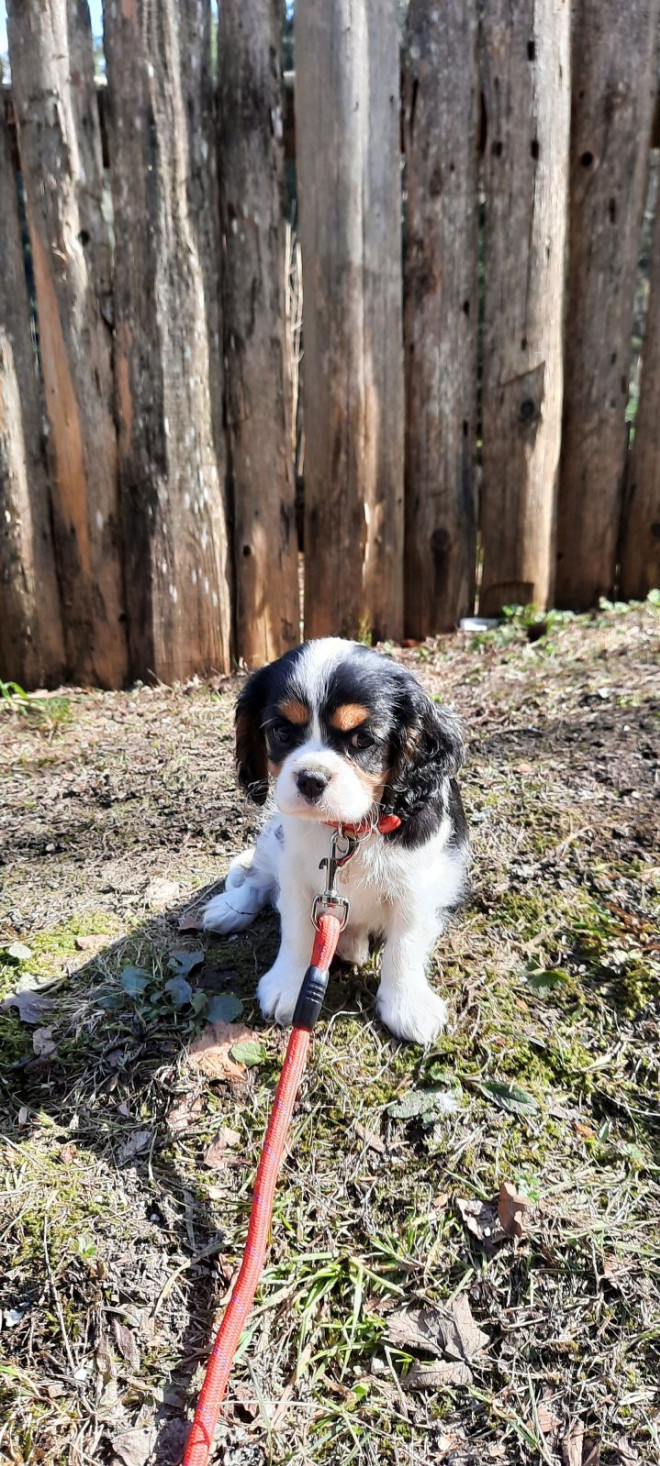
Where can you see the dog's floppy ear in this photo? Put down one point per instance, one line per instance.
(251, 756)
(430, 751)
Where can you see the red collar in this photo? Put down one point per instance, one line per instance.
(386, 825)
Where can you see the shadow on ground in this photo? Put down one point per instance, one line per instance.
(119, 1235)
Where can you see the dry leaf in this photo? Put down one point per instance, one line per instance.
(370, 1137)
(192, 921)
(90, 944)
(137, 1142)
(242, 1406)
(160, 891)
(571, 1446)
(18, 951)
(482, 1220)
(134, 1447)
(103, 1358)
(626, 1454)
(613, 1271)
(126, 1344)
(410, 1330)
(183, 1115)
(210, 1052)
(512, 1210)
(437, 1376)
(108, 1401)
(547, 1421)
(463, 1338)
(451, 1331)
(32, 1007)
(55, 1389)
(217, 1154)
(146, 1325)
(443, 1444)
(43, 1042)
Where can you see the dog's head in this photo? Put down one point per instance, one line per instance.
(342, 729)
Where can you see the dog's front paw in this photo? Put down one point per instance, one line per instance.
(417, 1014)
(228, 913)
(278, 993)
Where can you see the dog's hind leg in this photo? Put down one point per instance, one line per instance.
(250, 885)
(240, 869)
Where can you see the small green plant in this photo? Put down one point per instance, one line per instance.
(531, 616)
(620, 608)
(11, 689)
(518, 622)
(157, 994)
(160, 994)
(44, 714)
(47, 715)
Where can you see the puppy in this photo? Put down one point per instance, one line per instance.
(348, 735)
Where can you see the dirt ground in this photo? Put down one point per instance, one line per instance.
(398, 1320)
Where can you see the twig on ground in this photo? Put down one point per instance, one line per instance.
(56, 1300)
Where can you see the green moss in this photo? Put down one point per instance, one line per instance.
(15, 1039)
(54, 945)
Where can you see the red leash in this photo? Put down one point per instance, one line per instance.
(200, 1439)
(329, 914)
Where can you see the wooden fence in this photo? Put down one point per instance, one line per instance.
(465, 377)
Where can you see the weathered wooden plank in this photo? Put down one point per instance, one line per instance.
(258, 391)
(613, 55)
(526, 66)
(168, 366)
(348, 154)
(441, 122)
(50, 51)
(639, 570)
(31, 641)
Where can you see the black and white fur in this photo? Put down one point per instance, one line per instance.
(401, 756)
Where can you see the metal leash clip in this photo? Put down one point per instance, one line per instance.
(342, 848)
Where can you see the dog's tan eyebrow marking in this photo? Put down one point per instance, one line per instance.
(294, 711)
(348, 716)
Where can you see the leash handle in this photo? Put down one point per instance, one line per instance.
(315, 981)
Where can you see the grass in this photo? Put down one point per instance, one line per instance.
(119, 1242)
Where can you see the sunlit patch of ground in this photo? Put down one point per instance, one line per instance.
(118, 1241)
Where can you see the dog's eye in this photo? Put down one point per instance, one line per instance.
(360, 739)
(280, 733)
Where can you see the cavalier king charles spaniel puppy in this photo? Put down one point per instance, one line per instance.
(348, 736)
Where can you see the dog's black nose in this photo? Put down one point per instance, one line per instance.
(311, 783)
